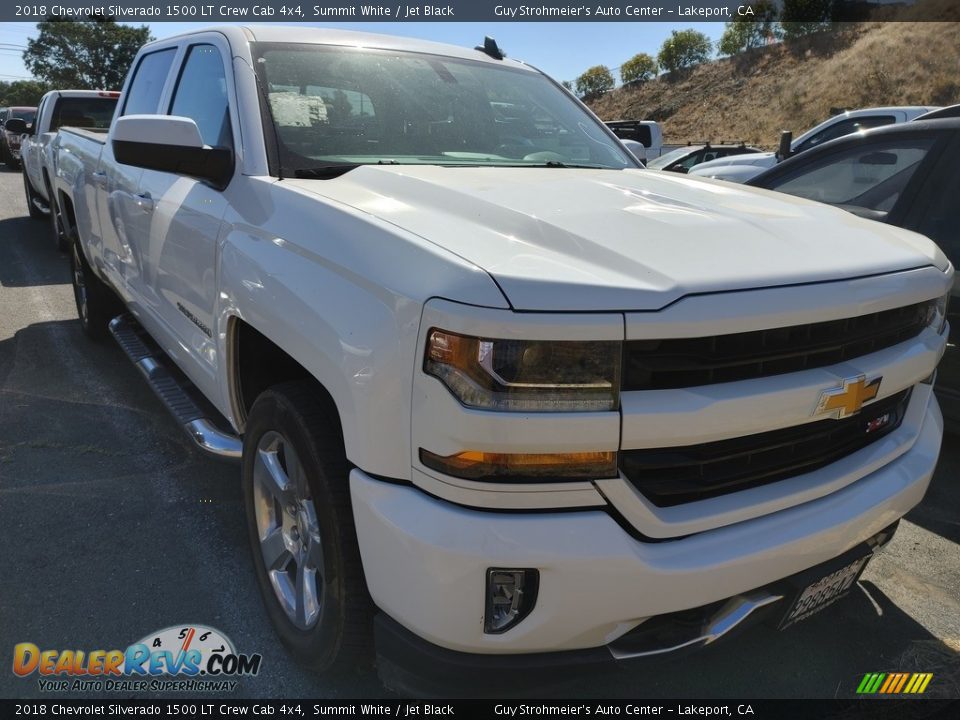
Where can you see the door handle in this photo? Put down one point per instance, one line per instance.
(99, 178)
(144, 202)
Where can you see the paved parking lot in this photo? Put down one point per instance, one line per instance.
(113, 527)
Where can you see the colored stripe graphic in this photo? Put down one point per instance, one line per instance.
(903, 680)
(894, 683)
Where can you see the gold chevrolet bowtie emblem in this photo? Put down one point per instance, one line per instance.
(849, 397)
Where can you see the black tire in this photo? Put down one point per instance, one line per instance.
(32, 198)
(5, 155)
(306, 420)
(96, 303)
(56, 223)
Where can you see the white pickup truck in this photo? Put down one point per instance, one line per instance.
(496, 391)
(741, 168)
(58, 108)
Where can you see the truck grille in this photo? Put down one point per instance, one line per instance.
(671, 476)
(689, 362)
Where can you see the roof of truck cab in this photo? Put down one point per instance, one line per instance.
(237, 34)
(86, 93)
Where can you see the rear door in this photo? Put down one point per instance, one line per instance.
(123, 222)
(177, 266)
(30, 151)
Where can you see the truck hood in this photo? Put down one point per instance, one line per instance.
(592, 240)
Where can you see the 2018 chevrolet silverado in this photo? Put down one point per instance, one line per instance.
(78, 108)
(498, 392)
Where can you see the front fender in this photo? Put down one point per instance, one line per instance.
(342, 294)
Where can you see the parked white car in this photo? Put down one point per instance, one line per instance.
(92, 109)
(742, 168)
(497, 391)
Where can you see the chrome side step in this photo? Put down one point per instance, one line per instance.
(172, 390)
(729, 616)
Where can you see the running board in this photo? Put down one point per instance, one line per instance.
(39, 205)
(172, 389)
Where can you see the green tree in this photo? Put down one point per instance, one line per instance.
(568, 85)
(88, 55)
(803, 17)
(22, 92)
(749, 32)
(595, 81)
(683, 49)
(639, 68)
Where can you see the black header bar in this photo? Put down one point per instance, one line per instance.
(333, 11)
(398, 709)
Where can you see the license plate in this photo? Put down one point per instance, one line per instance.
(825, 591)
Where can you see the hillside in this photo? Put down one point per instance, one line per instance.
(755, 95)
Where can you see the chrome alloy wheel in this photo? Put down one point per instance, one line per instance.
(80, 286)
(288, 530)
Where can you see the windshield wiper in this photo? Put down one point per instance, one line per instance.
(560, 164)
(330, 170)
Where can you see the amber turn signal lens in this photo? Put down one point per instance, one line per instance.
(536, 467)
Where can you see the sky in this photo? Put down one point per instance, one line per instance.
(562, 50)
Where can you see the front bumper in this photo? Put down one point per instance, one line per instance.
(410, 664)
(425, 559)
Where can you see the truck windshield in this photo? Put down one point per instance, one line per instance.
(333, 106)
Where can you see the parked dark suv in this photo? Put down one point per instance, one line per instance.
(907, 175)
(10, 142)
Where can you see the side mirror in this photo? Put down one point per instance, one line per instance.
(637, 149)
(170, 144)
(786, 140)
(17, 125)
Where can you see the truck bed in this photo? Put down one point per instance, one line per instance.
(98, 135)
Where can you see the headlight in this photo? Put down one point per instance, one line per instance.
(526, 376)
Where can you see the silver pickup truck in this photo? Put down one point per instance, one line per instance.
(58, 108)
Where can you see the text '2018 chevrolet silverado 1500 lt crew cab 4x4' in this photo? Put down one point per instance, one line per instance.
(498, 392)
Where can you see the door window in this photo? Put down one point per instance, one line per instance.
(867, 176)
(201, 95)
(143, 96)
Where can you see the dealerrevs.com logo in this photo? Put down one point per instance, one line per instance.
(187, 658)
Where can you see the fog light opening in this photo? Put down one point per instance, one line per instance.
(510, 596)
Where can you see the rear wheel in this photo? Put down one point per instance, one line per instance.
(96, 303)
(33, 200)
(302, 535)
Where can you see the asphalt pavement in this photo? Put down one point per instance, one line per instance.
(112, 527)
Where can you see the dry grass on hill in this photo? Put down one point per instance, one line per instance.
(754, 95)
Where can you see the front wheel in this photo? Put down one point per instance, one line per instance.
(300, 522)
